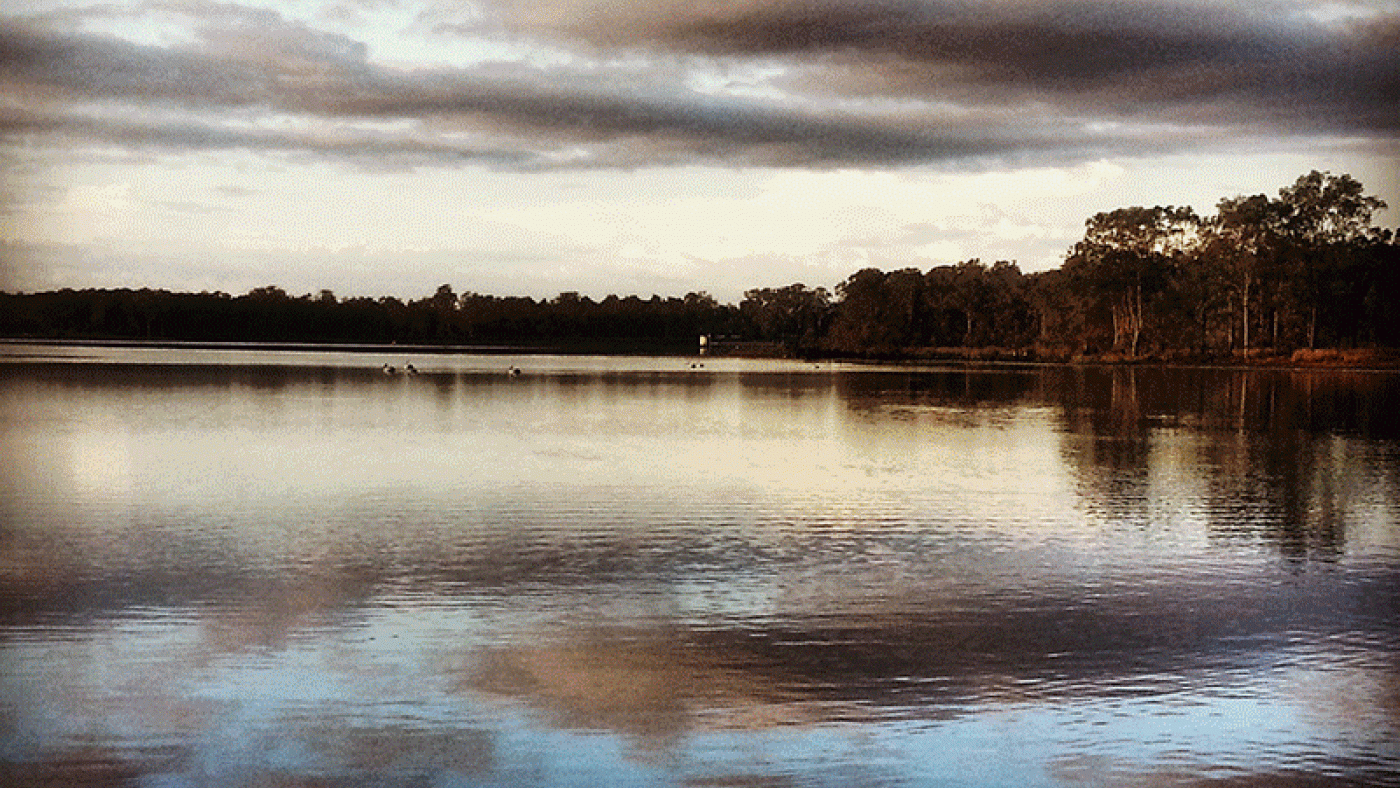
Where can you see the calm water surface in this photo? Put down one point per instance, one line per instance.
(239, 568)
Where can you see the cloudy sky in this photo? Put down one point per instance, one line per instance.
(527, 147)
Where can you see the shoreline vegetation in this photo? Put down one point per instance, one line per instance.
(1300, 280)
(1353, 359)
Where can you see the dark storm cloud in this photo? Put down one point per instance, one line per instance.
(539, 108)
(703, 125)
(849, 83)
(1219, 61)
(1050, 43)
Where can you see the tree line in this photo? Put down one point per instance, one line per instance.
(1305, 269)
(269, 314)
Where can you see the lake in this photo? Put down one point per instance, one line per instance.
(254, 568)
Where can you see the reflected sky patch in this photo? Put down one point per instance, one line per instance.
(305, 573)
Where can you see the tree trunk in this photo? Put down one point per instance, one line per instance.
(1137, 319)
(1244, 305)
(1230, 310)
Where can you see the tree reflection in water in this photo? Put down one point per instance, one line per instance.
(759, 575)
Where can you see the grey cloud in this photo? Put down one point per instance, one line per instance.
(245, 59)
(1026, 81)
(260, 35)
(1215, 61)
(708, 125)
(1002, 41)
(536, 109)
(603, 130)
(92, 67)
(194, 136)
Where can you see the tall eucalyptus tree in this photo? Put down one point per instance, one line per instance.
(1126, 259)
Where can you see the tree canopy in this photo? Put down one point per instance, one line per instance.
(1305, 269)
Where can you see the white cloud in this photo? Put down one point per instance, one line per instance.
(236, 221)
(97, 199)
(392, 199)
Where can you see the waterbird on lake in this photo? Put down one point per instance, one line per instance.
(513, 372)
(409, 368)
(388, 370)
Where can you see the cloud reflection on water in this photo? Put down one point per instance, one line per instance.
(515, 571)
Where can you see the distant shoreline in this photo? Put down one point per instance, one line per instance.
(1358, 359)
(1379, 359)
(585, 347)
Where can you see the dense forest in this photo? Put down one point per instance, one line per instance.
(1263, 275)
